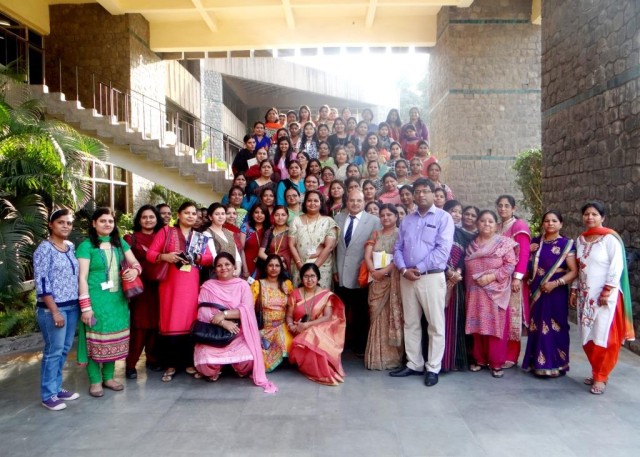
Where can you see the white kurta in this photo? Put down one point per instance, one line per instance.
(600, 263)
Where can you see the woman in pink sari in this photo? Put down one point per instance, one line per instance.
(316, 317)
(518, 230)
(244, 352)
(489, 264)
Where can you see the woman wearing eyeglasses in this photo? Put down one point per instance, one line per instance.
(316, 317)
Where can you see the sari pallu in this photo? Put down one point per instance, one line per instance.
(547, 352)
(385, 346)
(518, 230)
(317, 351)
(456, 345)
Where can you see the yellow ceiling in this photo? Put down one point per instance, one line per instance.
(220, 25)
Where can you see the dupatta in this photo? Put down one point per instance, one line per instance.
(629, 332)
(236, 294)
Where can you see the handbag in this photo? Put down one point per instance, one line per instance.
(130, 288)
(210, 334)
(159, 273)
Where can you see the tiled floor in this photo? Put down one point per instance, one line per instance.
(466, 414)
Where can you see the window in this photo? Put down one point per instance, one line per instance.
(110, 186)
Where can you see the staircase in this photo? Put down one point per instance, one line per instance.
(152, 153)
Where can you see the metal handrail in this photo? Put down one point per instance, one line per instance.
(143, 114)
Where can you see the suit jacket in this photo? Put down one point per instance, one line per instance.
(348, 259)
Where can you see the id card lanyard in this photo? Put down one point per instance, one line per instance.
(108, 283)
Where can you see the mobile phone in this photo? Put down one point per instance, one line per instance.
(93, 322)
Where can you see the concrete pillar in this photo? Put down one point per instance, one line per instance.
(591, 115)
(484, 96)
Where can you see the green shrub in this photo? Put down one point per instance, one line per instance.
(528, 168)
(17, 314)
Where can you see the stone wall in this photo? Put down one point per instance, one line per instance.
(484, 95)
(112, 50)
(212, 107)
(590, 116)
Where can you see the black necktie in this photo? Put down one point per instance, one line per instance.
(347, 235)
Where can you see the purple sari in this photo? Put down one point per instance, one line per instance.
(547, 351)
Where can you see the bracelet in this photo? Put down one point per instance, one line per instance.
(574, 292)
(87, 309)
(137, 267)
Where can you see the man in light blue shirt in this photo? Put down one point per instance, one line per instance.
(421, 253)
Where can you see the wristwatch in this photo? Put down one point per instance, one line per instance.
(224, 313)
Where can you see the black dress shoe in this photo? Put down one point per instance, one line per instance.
(131, 373)
(404, 372)
(431, 379)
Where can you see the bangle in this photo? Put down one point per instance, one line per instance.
(85, 303)
(137, 267)
(86, 310)
(404, 270)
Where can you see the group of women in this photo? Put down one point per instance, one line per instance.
(265, 256)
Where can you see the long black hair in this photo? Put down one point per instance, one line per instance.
(115, 233)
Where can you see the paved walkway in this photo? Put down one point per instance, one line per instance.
(466, 414)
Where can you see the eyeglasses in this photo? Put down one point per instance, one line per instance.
(422, 191)
(309, 277)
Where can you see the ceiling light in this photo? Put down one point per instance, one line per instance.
(4, 23)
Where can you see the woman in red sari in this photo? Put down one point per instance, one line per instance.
(316, 317)
(185, 250)
(145, 308)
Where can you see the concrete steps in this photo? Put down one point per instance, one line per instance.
(180, 161)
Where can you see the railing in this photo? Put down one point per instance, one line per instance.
(149, 117)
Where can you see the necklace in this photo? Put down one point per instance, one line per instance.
(63, 248)
(307, 311)
(552, 240)
(275, 235)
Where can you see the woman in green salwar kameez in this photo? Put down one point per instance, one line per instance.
(103, 334)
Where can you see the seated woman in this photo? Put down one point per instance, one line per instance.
(270, 296)
(316, 317)
(244, 352)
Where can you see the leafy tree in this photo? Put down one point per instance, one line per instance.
(42, 166)
(528, 168)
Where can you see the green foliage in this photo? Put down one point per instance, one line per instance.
(159, 194)
(528, 168)
(17, 313)
(125, 223)
(42, 166)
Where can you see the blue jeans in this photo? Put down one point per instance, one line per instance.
(57, 342)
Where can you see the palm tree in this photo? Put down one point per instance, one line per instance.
(43, 165)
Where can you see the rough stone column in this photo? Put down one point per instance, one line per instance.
(591, 116)
(212, 108)
(484, 96)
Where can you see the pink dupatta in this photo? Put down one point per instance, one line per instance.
(236, 294)
(499, 291)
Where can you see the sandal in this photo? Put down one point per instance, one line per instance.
(213, 378)
(509, 364)
(588, 381)
(96, 392)
(113, 385)
(475, 368)
(190, 371)
(497, 373)
(168, 375)
(198, 375)
(598, 389)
